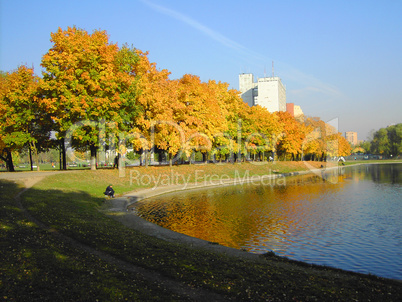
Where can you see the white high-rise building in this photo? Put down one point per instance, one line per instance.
(267, 92)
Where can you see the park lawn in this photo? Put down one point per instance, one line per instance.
(39, 264)
(134, 179)
(374, 161)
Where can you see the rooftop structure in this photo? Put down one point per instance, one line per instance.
(268, 92)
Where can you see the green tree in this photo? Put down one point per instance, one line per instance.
(395, 139)
(381, 144)
(366, 145)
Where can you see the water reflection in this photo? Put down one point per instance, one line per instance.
(339, 219)
(388, 174)
(224, 215)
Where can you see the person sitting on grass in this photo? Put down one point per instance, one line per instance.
(109, 191)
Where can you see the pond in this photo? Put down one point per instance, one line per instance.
(348, 218)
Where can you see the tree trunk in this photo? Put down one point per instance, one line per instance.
(35, 150)
(37, 159)
(146, 158)
(60, 166)
(9, 160)
(141, 157)
(63, 155)
(30, 158)
(152, 155)
(93, 150)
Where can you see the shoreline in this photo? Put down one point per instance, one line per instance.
(61, 230)
(118, 208)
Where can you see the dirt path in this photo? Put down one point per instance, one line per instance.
(29, 178)
(182, 289)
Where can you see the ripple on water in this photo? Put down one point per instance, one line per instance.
(353, 224)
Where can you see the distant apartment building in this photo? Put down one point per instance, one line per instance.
(294, 110)
(268, 92)
(351, 137)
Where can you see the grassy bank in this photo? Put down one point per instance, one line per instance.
(94, 183)
(40, 262)
(374, 161)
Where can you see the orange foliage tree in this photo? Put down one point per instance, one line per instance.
(156, 94)
(314, 145)
(266, 129)
(92, 89)
(22, 123)
(198, 114)
(227, 141)
(87, 82)
(293, 135)
(323, 140)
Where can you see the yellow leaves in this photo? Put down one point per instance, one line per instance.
(19, 107)
(323, 139)
(85, 75)
(86, 78)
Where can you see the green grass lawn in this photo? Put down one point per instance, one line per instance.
(372, 161)
(44, 167)
(36, 264)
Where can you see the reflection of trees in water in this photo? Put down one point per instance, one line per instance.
(247, 214)
(160, 212)
(234, 215)
(380, 173)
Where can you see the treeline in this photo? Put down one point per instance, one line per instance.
(95, 95)
(385, 141)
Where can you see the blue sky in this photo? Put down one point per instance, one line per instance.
(338, 59)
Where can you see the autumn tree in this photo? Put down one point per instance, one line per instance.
(344, 148)
(232, 142)
(293, 135)
(22, 122)
(199, 115)
(180, 116)
(5, 150)
(156, 94)
(314, 145)
(89, 86)
(260, 131)
(167, 136)
(128, 109)
(227, 141)
(323, 140)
